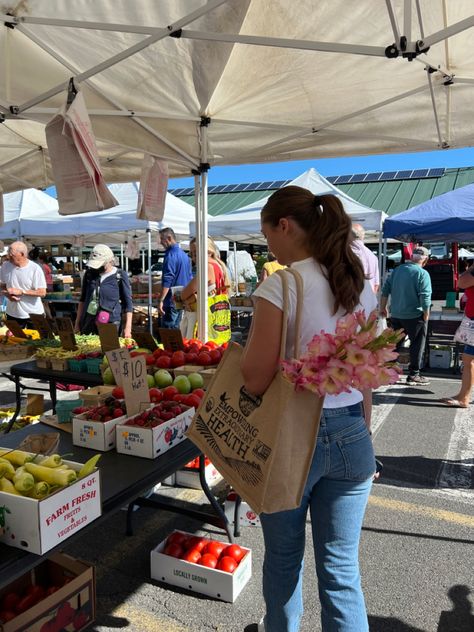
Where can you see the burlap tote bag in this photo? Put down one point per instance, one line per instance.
(262, 446)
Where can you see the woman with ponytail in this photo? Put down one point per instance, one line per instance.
(312, 234)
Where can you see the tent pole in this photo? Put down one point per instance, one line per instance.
(143, 257)
(236, 269)
(121, 256)
(201, 241)
(150, 284)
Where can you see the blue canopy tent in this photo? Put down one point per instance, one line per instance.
(447, 217)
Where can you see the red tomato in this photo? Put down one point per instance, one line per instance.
(234, 551)
(177, 537)
(227, 564)
(163, 362)
(191, 357)
(150, 359)
(196, 542)
(192, 400)
(169, 392)
(199, 392)
(156, 395)
(117, 392)
(195, 342)
(157, 352)
(211, 344)
(178, 359)
(192, 556)
(204, 359)
(215, 356)
(173, 549)
(214, 548)
(208, 560)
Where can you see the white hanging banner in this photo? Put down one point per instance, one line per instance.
(75, 162)
(132, 251)
(2, 213)
(153, 188)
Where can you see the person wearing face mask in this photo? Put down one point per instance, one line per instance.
(106, 296)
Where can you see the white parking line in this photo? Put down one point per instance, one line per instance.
(382, 408)
(456, 473)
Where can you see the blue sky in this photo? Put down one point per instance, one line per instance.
(333, 166)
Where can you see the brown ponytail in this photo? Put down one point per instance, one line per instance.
(327, 228)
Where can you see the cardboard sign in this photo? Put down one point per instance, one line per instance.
(171, 338)
(34, 404)
(130, 373)
(66, 333)
(42, 325)
(145, 340)
(15, 328)
(115, 358)
(53, 325)
(108, 334)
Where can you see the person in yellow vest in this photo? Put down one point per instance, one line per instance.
(270, 267)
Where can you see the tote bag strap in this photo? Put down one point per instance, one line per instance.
(299, 307)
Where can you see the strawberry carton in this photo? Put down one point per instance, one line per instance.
(188, 476)
(94, 427)
(155, 430)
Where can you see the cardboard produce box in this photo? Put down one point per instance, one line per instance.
(96, 394)
(247, 516)
(37, 526)
(189, 476)
(70, 607)
(150, 443)
(207, 373)
(201, 579)
(96, 435)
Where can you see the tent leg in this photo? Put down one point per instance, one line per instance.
(150, 283)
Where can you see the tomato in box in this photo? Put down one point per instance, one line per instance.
(214, 548)
(163, 362)
(209, 560)
(204, 359)
(196, 542)
(234, 551)
(169, 392)
(178, 359)
(193, 556)
(227, 564)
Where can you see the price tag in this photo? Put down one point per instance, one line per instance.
(115, 358)
(108, 334)
(171, 338)
(42, 325)
(130, 373)
(15, 328)
(145, 340)
(66, 333)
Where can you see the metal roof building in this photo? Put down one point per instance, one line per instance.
(389, 191)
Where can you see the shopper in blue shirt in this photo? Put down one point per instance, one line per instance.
(176, 271)
(409, 287)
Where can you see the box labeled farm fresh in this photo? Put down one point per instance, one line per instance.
(71, 606)
(201, 579)
(37, 526)
(150, 443)
(97, 435)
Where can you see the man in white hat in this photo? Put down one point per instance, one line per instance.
(23, 284)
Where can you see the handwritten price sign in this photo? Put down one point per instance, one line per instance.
(66, 333)
(42, 326)
(131, 374)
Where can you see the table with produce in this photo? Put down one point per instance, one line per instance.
(114, 457)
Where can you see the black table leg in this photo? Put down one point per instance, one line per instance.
(52, 393)
(18, 404)
(212, 499)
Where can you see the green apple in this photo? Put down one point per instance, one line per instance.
(163, 378)
(108, 376)
(150, 380)
(196, 381)
(182, 384)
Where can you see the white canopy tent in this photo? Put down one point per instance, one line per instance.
(34, 215)
(243, 225)
(204, 83)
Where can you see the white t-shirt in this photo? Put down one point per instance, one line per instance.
(317, 312)
(29, 277)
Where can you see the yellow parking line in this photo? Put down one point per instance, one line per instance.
(422, 510)
(149, 622)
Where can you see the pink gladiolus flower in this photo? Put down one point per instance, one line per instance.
(385, 355)
(330, 386)
(388, 375)
(365, 377)
(346, 327)
(356, 356)
(363, 338)
(322, 345)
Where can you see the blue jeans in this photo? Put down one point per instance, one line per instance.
(336, 495)
(172, 317)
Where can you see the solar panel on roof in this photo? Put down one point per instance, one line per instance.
(359, 177)
(373, 176)
(229, 187)
(263, 185)
(240, 187)
(342, 179)
(436, 173)
(420, 173)
(331, 179)
(404, 174)
(388, 175)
